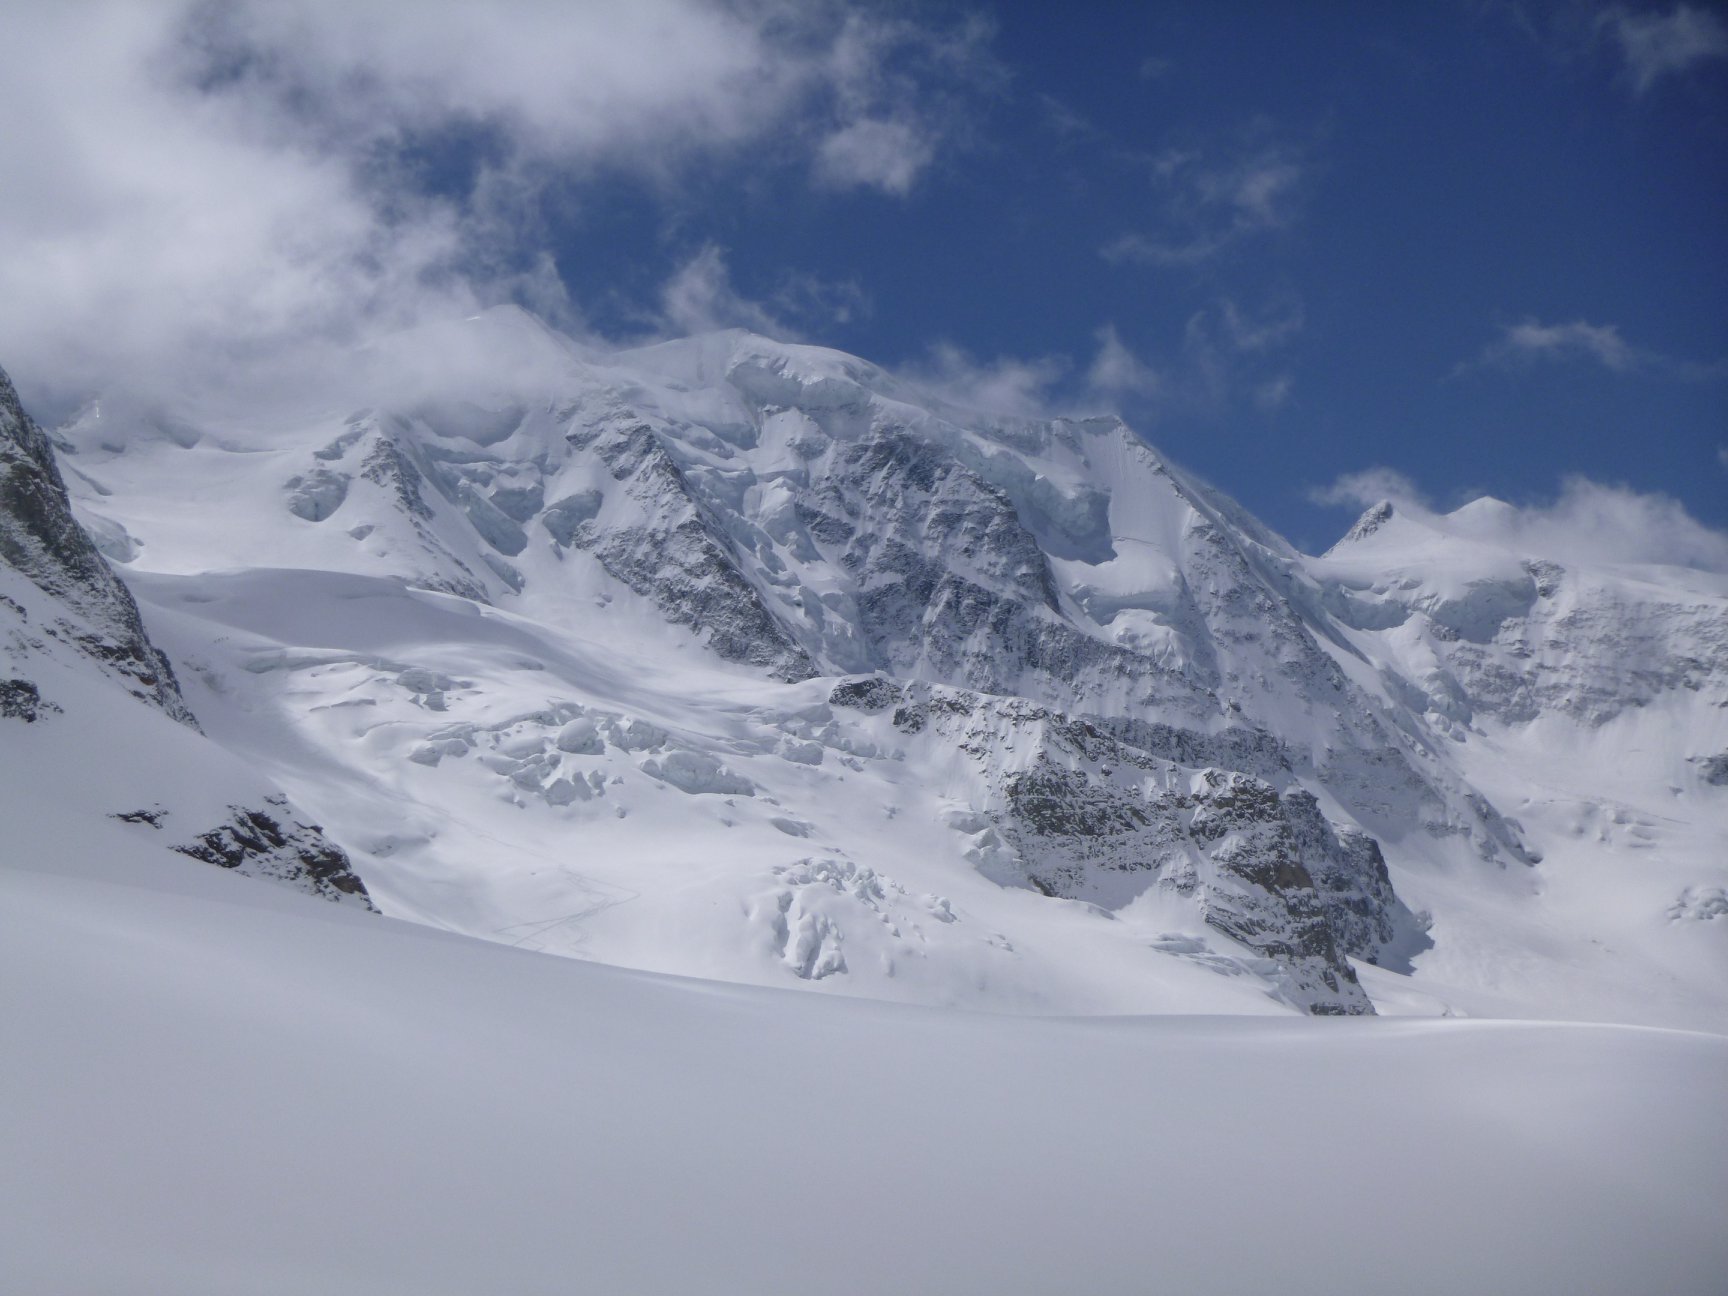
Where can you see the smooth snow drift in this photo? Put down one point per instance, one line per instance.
(212, 1087)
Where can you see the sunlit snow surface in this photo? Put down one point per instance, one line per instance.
(208, 1084)
(212, 1086)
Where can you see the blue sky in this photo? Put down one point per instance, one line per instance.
(1477, 246)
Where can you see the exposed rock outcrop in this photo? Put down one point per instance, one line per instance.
(40, 538)
(1074, 812)
(270, 843)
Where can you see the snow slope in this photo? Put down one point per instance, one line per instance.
(100, 749)
(211, 1086)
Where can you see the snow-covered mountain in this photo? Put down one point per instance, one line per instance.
(750, 662)
(753, 662)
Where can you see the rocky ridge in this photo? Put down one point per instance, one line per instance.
(67, 618)
(39, 538)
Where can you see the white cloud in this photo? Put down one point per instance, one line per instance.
(1117, 372)
(1588, 521)
(667, 72)
(1215, 195)
(885, 155)
(1006, 386)
(1614, 524)
(1367, 488)
(1531, 342)
(198, 193)
(899, 91)
(1266, 329)
(1659, 45)
(1274, 393)
(700, 297)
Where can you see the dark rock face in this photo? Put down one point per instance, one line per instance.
(387, 465)
(1715, 770)
(266, 843)
(20, 699)
(40, 538)
(1084, 816)
(678, 560)
(869, 695)
(950, 584)
(1253, 751)
(1349, 874)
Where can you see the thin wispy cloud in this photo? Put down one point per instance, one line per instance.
(1274, 394)
(1209, 373)
(1368, 487)
(1116, 372)
(1228, 358)
(1061, 119)
(1530, 343)
(1234, 355)
(700, 296)
(1646, 45)
(1007, 386)
(1214, 195)
(1658, 45)
(1267, 328)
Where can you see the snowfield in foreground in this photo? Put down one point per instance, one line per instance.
(212, 1086)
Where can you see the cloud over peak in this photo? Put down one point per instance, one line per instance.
(203, 188)
(1588, 521)
(700, 297)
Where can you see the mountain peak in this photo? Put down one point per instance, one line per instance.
(847, 683)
